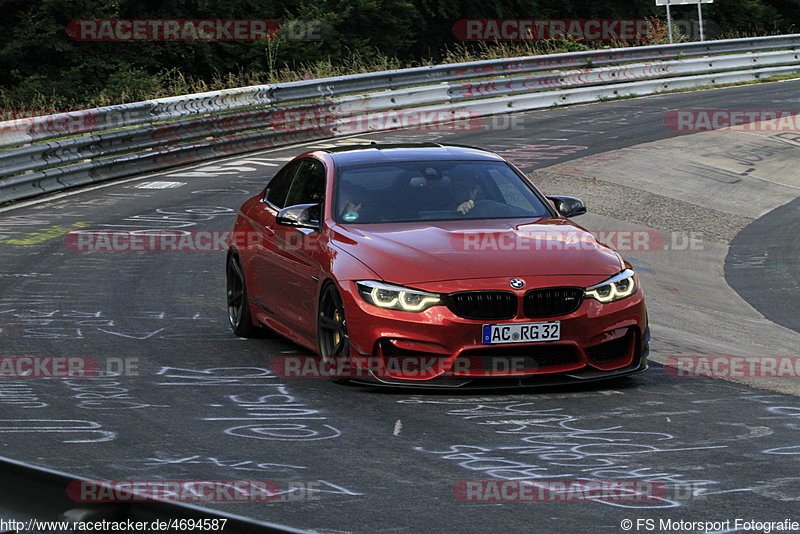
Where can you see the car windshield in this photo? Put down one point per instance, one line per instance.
(433, 191)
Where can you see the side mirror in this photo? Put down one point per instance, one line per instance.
(568, 206)
(300, 216)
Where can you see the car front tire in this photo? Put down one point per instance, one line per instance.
(334, 345)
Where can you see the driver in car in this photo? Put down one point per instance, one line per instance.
(466, 192)
(350, 203)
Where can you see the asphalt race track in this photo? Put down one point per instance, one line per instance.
(193, 402)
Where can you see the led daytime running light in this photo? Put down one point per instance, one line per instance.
(615, 288)
(396, 297)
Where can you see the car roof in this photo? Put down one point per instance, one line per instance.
(378, 153)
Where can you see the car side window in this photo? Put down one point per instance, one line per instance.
(309, 184)
(278, 187)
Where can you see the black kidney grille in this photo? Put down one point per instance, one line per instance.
(494, 305)
(552, 301)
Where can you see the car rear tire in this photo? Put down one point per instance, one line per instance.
(238, 304)
(334, 345)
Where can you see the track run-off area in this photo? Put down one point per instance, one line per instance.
(709, 219)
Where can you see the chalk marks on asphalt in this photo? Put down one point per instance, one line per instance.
(272, 413)
(67, 430)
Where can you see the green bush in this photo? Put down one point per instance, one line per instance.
(42, 68)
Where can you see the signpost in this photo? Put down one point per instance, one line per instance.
(684, 2)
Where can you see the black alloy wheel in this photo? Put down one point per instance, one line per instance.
(334, 345)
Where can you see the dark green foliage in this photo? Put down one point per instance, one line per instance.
(41, 66)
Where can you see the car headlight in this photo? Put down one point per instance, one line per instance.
(394, 297)
(617, 287)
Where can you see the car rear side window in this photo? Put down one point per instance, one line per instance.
(279, 186)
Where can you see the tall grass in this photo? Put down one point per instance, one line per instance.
(137, 85)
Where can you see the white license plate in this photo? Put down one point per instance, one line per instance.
(494, 334)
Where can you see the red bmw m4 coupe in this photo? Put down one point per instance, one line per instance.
(432, 265)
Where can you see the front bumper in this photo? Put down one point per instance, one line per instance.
(437, 348)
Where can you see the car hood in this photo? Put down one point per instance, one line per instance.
(408, 253)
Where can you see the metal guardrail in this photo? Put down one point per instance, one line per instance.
(55, 152)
